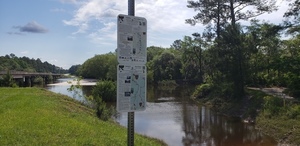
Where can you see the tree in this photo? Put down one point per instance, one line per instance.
(7, 80)
(100, 67)
(263, 42)
(192, 57)
(219, 12)
(224, 14)
(233, 62)
(210, 12)
(176, 44)
(73, 70)
(166, 67)
(294, 12)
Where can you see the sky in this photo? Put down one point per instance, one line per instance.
(68, 32)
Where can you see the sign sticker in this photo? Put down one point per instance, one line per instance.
(131, 88)
(132, 36)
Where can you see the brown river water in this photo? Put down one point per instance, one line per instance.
(173, 117)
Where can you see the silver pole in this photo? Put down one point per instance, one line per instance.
(130, 124)
(131, 7)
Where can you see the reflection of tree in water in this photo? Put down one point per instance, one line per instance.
(202, 126)
(179, 93)
(87, 90)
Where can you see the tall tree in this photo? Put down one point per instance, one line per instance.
(192, 60)
(293, 14)
(220, 12)
(210, 12)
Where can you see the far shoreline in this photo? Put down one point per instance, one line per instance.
(82, 82)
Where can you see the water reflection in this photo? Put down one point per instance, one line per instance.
(63, 89)
(172, 117)
(202, 126)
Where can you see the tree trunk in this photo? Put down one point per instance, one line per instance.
(232, 15)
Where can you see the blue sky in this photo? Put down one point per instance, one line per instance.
(68, 32)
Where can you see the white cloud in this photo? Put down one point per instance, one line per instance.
(58, 10)
(166, 19)
(24, 52)
(69, 1)
(276, 16)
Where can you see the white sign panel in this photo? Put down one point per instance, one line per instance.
(131, 88)
(132, 39)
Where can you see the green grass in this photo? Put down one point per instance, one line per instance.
(34, 116)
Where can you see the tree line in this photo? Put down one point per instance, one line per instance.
(227, 54)
(12, 62)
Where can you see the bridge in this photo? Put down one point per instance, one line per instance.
(28, 77)
(22, 74)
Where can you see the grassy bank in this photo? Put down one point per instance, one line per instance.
(33, 116)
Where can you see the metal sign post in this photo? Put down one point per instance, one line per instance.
(130, 121)
(131, 70)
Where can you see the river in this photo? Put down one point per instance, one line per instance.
(171, 116)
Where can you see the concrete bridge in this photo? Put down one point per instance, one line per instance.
(26, 78)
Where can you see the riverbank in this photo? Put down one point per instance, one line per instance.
(275, 116)
(34, 116)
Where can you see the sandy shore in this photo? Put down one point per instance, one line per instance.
(83, 82)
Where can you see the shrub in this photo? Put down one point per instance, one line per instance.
(294, 86)
(7, 80)
(273, 105)
(102, 111)
(38, 80)
(202, 90)
(106, 90)
(294, 112)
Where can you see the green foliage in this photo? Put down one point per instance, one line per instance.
(7, 80)
(167, 83)
(272, 105)
(76, 89)
(202, 90)
(166, 66)
(294, 86)
(105, 90)
(293, 112)
(102, 111)
(192, 58)
(280, 120)
(100, 67)
(74, 70)
(38, 80)
(12, 62)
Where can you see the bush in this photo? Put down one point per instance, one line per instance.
(105, 90)
(103, 112)
(273, 105)
(202, 90)
(7, 80)
(294, 86)
(294, 112)
(38, 80)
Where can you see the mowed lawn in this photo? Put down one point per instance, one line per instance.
(35, 116)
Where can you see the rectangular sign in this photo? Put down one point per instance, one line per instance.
(131, 88)
(132, 39)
